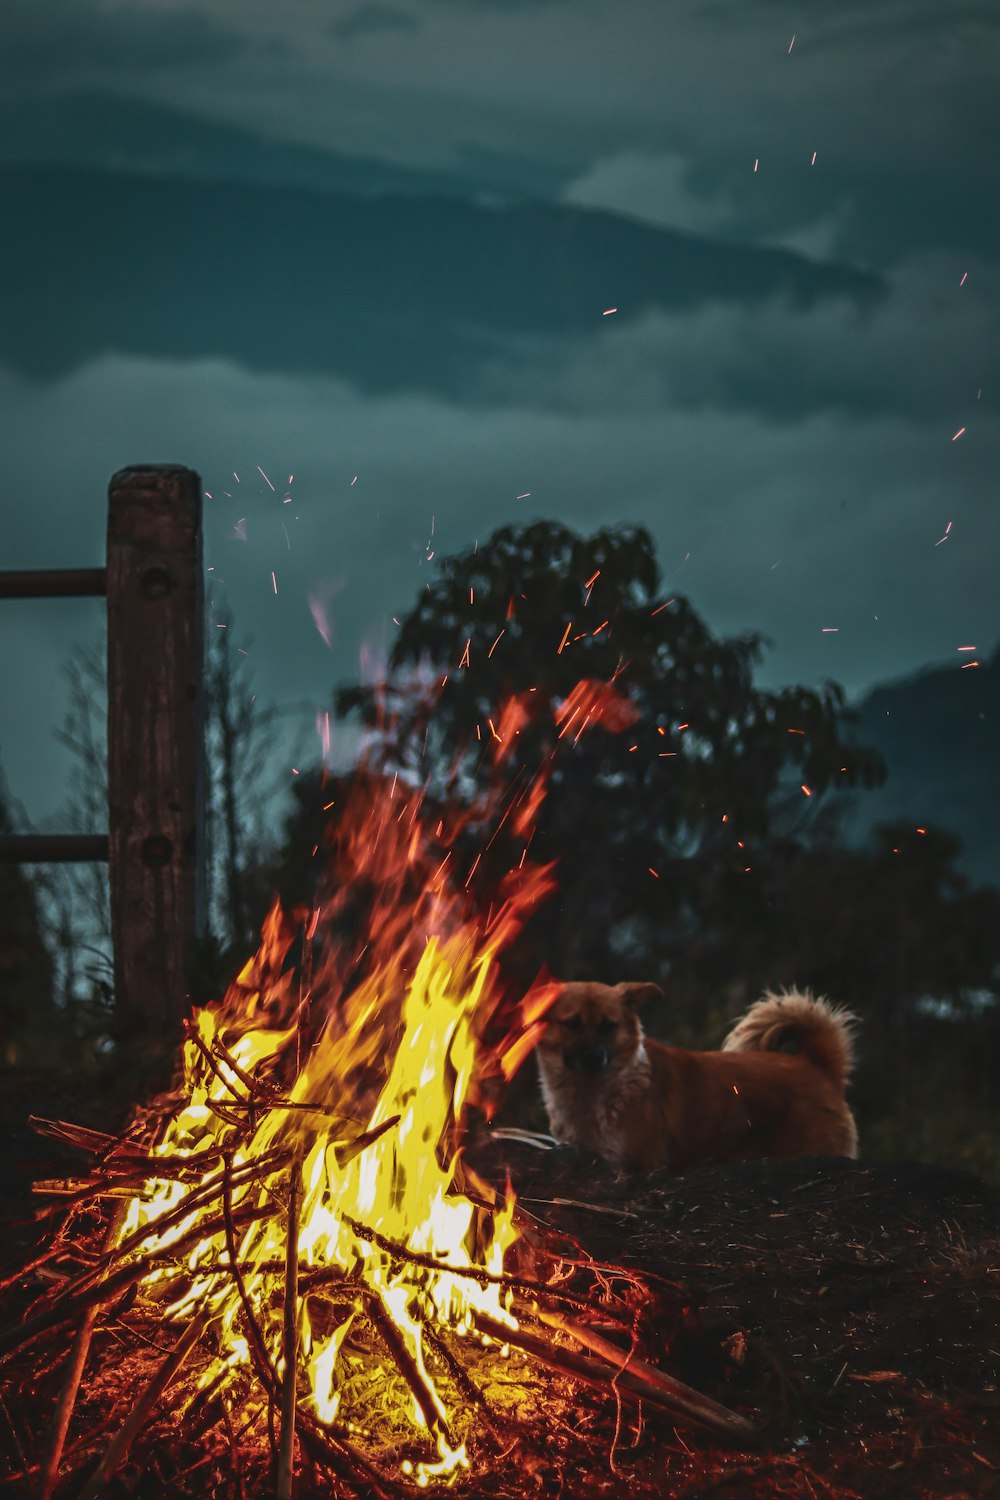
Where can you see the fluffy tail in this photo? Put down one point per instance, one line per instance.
(796, 1021)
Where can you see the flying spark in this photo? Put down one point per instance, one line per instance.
(608, 311)
(320, 619)
(274, 581)
(791, 44)
(958, 434)
(260, 471)
(964, 278)
(947, 532)
(525, 496)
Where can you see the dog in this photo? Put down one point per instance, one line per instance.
(775, 1089)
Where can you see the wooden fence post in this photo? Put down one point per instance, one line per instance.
(155, 747)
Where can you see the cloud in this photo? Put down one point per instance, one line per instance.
(391, 293)
(922, 352)
(44, 42)
(373, 20)
(659, 188)
(792, 528)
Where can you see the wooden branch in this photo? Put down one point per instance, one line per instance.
(290, 1339)
(476, 1273)
(697, 1410)
(265, 1367)
(701, 1408)
(407, 1366)
(71, 1382)
(73, 1135)
(117, 1450)
(253, 1086)
(192, 1034)
(84, 1292)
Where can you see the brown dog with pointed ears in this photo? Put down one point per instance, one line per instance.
(775, 1089)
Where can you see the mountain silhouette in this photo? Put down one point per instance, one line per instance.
(939, 733)
(389, 292)
(110, 132)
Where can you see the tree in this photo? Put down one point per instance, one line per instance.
(26, 998)
(241, 780)
(657, 827)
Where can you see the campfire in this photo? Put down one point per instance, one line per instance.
(291, 1251)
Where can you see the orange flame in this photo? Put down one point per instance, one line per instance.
(359, 1078)
(345, 1052)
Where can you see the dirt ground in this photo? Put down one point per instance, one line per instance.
(850, 1310)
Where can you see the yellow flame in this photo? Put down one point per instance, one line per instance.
(394, 1172)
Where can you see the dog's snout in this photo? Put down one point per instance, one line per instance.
(587, 1058)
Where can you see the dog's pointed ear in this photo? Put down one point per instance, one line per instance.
(639, 993)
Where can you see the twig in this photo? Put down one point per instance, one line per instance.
(290, 1339)
(681, 1397)
(117, 1449)
(473, 1273)
(592, 1208)
(71, 1384)
(253, 1086)
(199, 1196)
(265, 1367)
(193, 1035)
(459, 1374)
(347, 1462)
(75, 1135)
(597, 1373)
(75, 1301)
(422, 1393)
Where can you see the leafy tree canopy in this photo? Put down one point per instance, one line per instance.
(705, 769)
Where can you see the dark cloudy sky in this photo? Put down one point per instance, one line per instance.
(371, 245)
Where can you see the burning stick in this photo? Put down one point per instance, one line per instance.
(117, 1449)
(286, 1452)
(71, 1383)
(640, 1384)
(679, 1397)
(407, 1367)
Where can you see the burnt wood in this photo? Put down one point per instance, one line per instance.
(155, 745)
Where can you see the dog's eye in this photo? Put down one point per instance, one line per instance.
(573, 1023)
(606, 1026)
